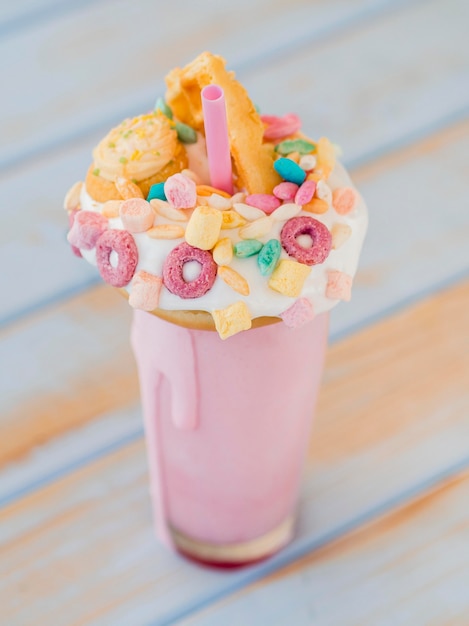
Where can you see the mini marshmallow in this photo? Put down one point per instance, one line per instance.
(300, 313)
(232, 320)
(145, 292)
(339, 285)
(137, 215)
(203, 228)
(344, 200)
(180, 191)
(288, 277)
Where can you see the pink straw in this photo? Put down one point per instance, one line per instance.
(216, 136)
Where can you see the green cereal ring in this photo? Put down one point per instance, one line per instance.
(186, 134)
(295, 145)
(164, 108)
(269, 256)
(247, 247)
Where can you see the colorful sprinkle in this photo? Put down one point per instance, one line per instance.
(247, 248)
(156, 192)
(344, 200)
(263, 201)
(305, 193)
(295, 145)
(286, 191)
(234, 280)
(280, 127)
(162, 106)
(223, 251)
(185, 133)
(290, 171)
(269, 256)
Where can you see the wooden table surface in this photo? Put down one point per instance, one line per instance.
(383, 532)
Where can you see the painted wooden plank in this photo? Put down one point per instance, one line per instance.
(383, 434)
(94, 67)
(411, 567)
(33, 234)
(62, 368)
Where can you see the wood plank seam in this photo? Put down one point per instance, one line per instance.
(258, 60)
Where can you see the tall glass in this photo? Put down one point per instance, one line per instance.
(227, 427)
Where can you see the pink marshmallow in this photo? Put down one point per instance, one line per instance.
(137, 215)
(145, 293)
(339, 285)
(344, 200)
(86, 229)
(300, 313)
(305, 193)
(181, 191)
(71, 219)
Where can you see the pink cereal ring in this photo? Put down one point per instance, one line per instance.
(263, 201)
(180, 191)
(122, 243)
(286, 191)
(173, 275)
(321, 239)
(344, 200)
(86, 229)
(137, 215)
(306, 192)
(71, 219)
(280, 127)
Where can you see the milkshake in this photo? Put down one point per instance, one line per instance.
(232, 234)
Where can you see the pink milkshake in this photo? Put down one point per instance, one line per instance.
(227, 431)
(232, 235)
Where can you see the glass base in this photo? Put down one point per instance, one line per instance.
(233, 555)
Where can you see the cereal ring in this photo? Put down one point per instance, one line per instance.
(319, 233)
(86, 229)
(122, 243)
(173, 276)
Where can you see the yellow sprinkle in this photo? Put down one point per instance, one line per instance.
(207, 190)
(136, 155)
(223, 251)
(234, 280)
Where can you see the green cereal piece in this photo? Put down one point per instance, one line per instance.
(123, 160)
(269, 256)
(186, 134)
(295, 145)
(161, 105)
(247, 247)
(96, 171)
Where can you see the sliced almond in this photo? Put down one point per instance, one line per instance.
(167, 210)
(166, 231)
(255, 230)
(285, 212)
